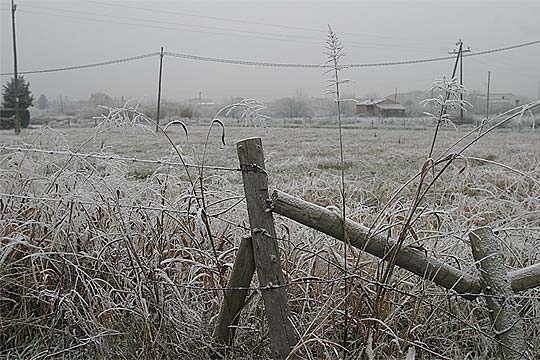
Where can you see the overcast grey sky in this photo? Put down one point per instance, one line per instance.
(62, 33)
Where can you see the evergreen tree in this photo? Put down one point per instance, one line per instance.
(26, 98)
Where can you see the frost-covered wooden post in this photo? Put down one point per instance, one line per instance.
(235, 295)
(265, 247)
(503, 310)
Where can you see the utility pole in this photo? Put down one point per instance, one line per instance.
(431, 97)
(460, 52)
(487, 96)
(395, 95)
(17, 119)
(159, 88)
(446, 97)
(199, 107)
(61, 105)
(487, 105)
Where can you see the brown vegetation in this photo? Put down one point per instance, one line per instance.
(106, 258)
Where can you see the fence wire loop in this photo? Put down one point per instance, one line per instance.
(253, 167)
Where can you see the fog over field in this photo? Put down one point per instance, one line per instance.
(312, 180)
(63, 33)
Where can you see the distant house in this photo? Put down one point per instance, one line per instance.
(380, 107)
(507, 99)
(200, 102)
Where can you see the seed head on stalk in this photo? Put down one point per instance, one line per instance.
(334, 52)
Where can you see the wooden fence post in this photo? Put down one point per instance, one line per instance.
(502, 306)
(265, 247)
(234, 299)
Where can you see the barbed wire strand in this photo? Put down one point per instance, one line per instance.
(115, 157)
(68, 198)
(311, 280)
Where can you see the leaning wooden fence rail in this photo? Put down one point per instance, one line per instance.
(409, 258)
(259, 252)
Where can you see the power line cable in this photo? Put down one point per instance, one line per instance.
(168, 22)
(277, 65)
(222, 31)
(245, 21)
(242, 62)
(512, 47)
(378, 64)
(86, 66)
(139, 25)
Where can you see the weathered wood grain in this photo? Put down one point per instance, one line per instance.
(526, 278)
(233, 298)
(412, 259)
(265, 248)
(503, 309)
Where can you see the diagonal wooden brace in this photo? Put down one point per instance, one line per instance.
(235, 295)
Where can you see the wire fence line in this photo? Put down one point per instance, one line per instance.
(67, 198)
(418, 294)
(340, 279)
(116, 157)
(315, 280)
(270, 64)
(309, 280)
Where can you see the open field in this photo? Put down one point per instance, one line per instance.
(108, 258)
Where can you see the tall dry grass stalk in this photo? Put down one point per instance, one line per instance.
(334, 53)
